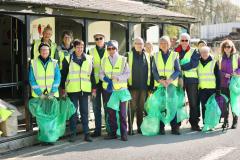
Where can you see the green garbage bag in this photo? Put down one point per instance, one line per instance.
(168, 108)
(184, 61)
(46, 113)
(182, 113)
(234, 88)
(117, 97)
(212, 114)
(150, 126)
(67, 109)
(114, 103)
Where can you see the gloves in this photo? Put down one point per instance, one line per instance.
(106, 79)
(109, 87)
(43, 96)
(63, 94)
(51, 96)
(218, 92)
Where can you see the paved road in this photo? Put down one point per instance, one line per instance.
(215, 145)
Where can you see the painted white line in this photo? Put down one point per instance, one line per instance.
(218, 153)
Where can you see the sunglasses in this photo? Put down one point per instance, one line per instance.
(111, 49)
(99, 39)
(228, 47)
(184, 40)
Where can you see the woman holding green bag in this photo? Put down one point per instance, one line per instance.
(114, 73)
(229, 64)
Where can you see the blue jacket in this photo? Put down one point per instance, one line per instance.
(57, 78)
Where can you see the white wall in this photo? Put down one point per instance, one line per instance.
(217, 30)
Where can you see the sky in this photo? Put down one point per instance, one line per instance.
(237, 2)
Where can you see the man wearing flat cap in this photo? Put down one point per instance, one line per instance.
(98, 52)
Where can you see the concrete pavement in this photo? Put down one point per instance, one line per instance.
(215, 145)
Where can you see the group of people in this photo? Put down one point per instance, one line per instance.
(105, 75)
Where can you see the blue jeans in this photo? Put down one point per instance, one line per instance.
(80, 99)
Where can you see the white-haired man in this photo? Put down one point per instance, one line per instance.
(166, 71)
(189, 60)
(209, 77)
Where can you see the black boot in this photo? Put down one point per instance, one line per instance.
(87, 138)
(225, 124)
(162, 131)
(73, 137)
(235, 120)
(175, 131)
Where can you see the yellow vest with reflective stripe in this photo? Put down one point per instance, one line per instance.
(234, 62)
(61, 54)
(36, 45)
(79, 78)
(192, 73)
(115, 70)
(96, 62)
(207, 79)
(165, 69)
(44, 78)
(130, 62)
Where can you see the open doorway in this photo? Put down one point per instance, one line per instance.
(11, 59)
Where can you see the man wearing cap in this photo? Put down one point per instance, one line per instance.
(114, 74)
(98, 52)
(139, 81)
(189, 60)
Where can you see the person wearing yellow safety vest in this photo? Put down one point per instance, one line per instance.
(98, 52)
(44, 74)
(166, 70)
(229, 64)
(78, 83)
(189, 60)
(209, 77)
(66, 48)
(47, 34)
(140, 79)
(114, 73)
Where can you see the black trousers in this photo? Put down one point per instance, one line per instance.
(204, 94)
(226, 92)
(194, 103)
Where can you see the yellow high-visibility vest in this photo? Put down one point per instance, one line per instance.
(37, 44)
(130, 63)
(44, 77)
(79, 78)
(62, 55)
(115, 70)
(192, 73)
(165, 69)
(96, 62)
(207, 79)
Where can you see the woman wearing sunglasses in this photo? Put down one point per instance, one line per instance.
(229, 64)
(114, 73)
